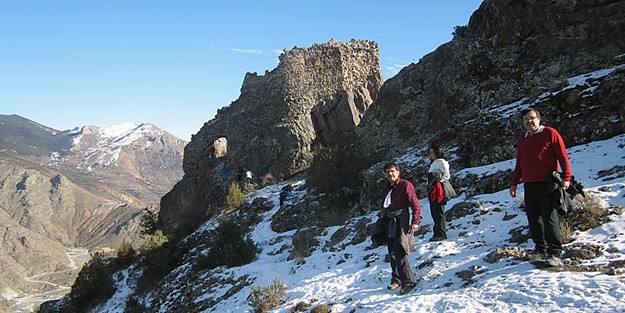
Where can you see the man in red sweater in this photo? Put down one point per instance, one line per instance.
(399, 196)
(539, 153)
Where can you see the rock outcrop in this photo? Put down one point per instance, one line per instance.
(467, 94)
(276, 124)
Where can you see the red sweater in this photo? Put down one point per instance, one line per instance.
(538, 156)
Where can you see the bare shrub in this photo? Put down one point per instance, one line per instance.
(503, 253)
(321, 308)
(265, 298)
(566, 230)
(591, 214)
(301, 307)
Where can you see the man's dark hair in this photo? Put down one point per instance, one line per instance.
(438, 151)
(391, 165)
(525, 111)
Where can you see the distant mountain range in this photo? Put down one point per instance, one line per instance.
(84, 187)
(142, 160)
(29, 138)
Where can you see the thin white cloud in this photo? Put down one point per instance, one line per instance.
(245, 50)
(395, 68)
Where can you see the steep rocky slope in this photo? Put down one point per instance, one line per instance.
(510, 52)
(44, 214)
(565, 58)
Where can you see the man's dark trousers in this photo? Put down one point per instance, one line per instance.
(401, 271)
(542, 216)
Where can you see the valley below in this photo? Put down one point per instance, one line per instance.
(51, 285)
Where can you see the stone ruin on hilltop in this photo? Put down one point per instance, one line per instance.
(277, 123)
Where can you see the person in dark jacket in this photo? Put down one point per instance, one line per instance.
(539, 153)
(399, 196)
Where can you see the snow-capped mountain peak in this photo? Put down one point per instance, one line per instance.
(100, 147)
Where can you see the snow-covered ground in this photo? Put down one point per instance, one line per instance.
(354, 279)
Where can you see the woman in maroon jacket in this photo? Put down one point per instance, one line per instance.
(539, 153)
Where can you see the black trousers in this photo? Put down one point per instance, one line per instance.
(437, 209)
(543, 219)
(400, 267)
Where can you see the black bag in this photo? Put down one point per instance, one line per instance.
(448, 190)
(562, 199)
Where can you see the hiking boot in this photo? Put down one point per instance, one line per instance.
(554, 261)
(394, 285)
(536, 257)
(438, 238)
(406, 289)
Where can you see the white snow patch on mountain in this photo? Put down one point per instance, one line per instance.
(590, 80)
(109, 142)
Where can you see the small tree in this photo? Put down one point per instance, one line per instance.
(459, 32)
(230, 247)
(235, 198)
(126, 253)
(93, 283)
(154, 241)
(159, 255)
(148, 220)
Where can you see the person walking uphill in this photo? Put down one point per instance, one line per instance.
(400, 227)
(538, 154)
(438, 172)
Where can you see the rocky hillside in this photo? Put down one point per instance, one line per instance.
(44, 214)
(511, 52)
(275, 126)
(565, 58)
(83, 188)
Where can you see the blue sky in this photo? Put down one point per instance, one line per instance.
(174, 63)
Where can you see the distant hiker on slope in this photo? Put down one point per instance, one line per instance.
(248, 177)
(284, 194)
(538, 154)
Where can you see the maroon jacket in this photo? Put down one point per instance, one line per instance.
(404, 196)
(538, 156)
